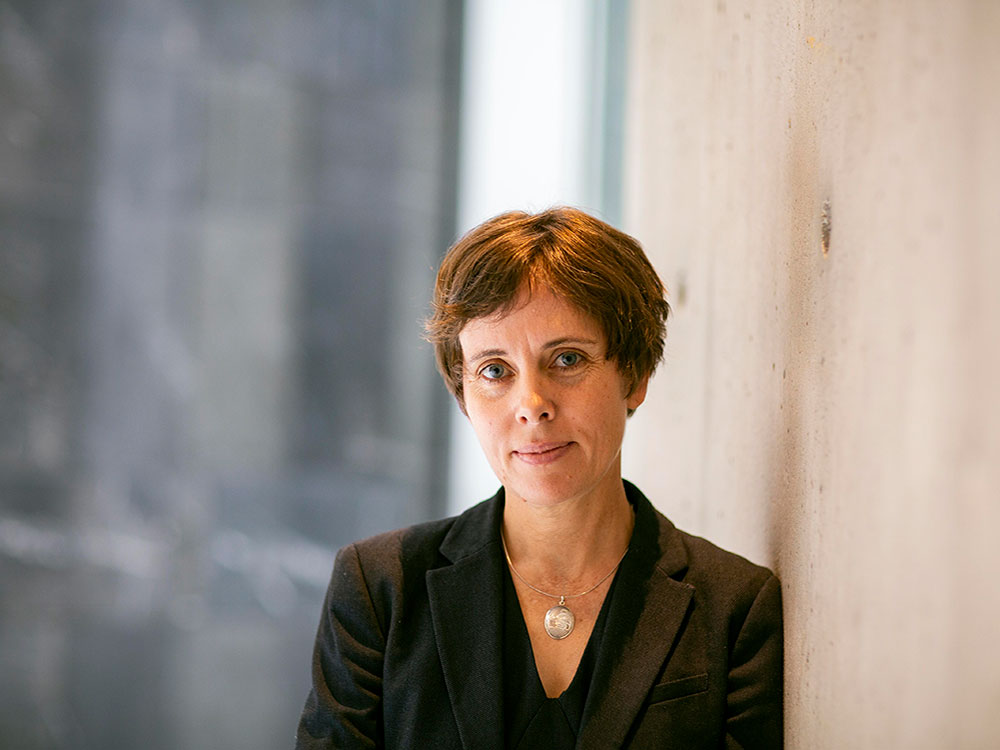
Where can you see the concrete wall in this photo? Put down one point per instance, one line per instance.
(831, 408)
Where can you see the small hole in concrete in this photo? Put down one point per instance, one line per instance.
(682, 290)
(826, 227)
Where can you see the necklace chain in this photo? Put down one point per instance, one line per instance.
(561, 597)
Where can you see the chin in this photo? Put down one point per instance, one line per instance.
(546, 493)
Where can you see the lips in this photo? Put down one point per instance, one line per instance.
(539, 454)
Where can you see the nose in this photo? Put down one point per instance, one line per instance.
(534, 404)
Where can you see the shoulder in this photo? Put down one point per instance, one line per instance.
(388, 550)
(739, 597)
(424, 546)
(386, 574)
(708, 561)
(722, 580)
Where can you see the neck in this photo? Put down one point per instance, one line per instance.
(571, 544)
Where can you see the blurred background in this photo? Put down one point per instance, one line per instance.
(219, 227)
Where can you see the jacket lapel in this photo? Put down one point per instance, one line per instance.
(646, 615)
(466, 602)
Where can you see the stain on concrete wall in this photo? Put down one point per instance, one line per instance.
(817, 184)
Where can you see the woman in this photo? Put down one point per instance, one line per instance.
(565, 611)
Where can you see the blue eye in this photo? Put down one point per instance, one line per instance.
(493, 372)
(568, 359)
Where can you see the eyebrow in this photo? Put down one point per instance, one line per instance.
(487, 353)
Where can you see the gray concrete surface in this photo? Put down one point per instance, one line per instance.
(829, 407)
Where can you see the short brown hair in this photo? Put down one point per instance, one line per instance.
(599, 269)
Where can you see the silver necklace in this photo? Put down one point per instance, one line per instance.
(559, 619)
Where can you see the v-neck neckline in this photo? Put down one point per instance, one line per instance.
(525, 700)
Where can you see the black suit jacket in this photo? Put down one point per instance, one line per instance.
(408, 652)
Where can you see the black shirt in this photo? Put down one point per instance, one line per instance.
(531, 719)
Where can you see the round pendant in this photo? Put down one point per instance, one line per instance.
(559, 622)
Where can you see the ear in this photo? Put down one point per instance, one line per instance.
(638, 394)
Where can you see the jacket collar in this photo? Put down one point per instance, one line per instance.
(466, 601)
(645, 617)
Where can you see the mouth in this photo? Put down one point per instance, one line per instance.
(538, 454)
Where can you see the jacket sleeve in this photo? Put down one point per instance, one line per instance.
(755, 690)
(344, 707)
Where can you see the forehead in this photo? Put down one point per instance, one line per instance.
(538, 316)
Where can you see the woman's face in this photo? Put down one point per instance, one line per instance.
(549, 410)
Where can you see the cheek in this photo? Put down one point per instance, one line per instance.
(484, 422)
(613, 416)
